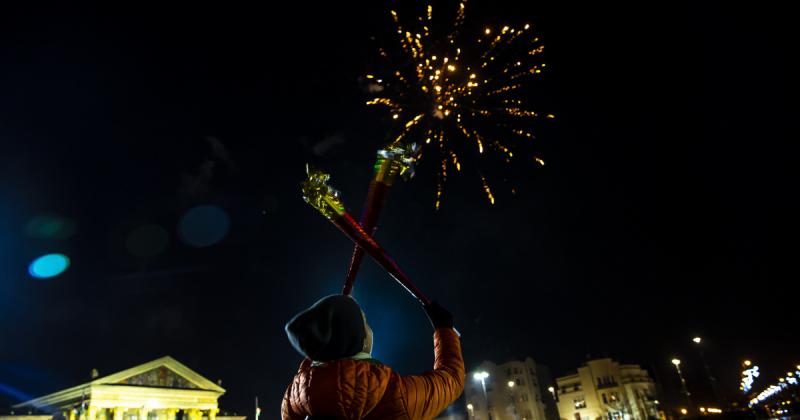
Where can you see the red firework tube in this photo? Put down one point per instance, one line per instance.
(327, 201)
(376, 199)
(388, 165)
(356, 233)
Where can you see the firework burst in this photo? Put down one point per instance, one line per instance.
(462, 97)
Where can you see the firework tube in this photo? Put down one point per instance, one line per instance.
(356, 233)
(388, 165)
(376, 198)
(327, 201)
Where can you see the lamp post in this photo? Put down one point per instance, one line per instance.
(481, 376)
(553, 392)
(511, 393)
(711, 379)
(677, 363)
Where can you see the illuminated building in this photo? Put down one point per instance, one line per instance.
(604, 389)
(516, 390)
(163, 389)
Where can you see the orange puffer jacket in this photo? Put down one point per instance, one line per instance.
(350, 389)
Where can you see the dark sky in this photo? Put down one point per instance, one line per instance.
(667, 207)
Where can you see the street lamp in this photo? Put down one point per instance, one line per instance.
(748, 363)
(481, 376)
(552, 391)
(711, 379)
(511, 394)
(677, 363)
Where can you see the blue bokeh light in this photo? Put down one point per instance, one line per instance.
(49, 226)
(203, 226)
(49, 265)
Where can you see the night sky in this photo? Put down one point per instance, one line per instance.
(667, 207)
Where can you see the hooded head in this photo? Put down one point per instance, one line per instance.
(333, 328)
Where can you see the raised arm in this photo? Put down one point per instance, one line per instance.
(429, 394)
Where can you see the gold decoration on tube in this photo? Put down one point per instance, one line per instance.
(320, 195)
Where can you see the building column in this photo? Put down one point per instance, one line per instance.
(91, 413)
(143, 413)
(212, 413)
(119, 413)
(195, 414)
(72, 414)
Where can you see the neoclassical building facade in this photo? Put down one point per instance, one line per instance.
(163, 389)
(603, 389)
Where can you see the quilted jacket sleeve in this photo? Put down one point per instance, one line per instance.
(429, 394)
(289, 410)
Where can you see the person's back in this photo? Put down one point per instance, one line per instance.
(358, 387)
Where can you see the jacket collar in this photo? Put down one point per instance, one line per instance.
(358, 356)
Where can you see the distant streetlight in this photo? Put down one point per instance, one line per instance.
(748, 363)
(481, 376)
(553, 393)
(677, 363)
(684, 411)
(711, 379)
(511, 394)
